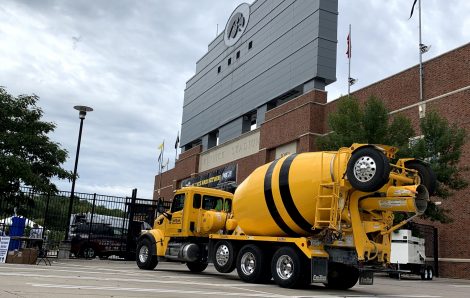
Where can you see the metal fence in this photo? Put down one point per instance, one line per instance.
(431, 244)
(100, 225)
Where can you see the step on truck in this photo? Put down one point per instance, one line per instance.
(316, 217)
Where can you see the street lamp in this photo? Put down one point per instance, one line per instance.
(82, 113)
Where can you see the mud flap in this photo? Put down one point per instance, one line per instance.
(366, 278)
(319, 270)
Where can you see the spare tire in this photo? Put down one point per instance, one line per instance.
(426, 175)
(368, 169)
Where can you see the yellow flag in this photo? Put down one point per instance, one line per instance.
(160, 147)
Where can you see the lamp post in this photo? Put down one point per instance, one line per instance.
(82, 113)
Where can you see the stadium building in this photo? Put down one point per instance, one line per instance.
(259, 94)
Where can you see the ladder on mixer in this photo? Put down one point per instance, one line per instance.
(327, 213)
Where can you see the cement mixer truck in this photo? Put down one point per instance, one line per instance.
(316, 217)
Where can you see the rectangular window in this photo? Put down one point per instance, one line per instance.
(219, 69)
(197, 201)
(229, 61)
(250, 45)
(210, 202)
(238, 54)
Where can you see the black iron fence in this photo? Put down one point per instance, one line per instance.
(430, 235)
(100, 225)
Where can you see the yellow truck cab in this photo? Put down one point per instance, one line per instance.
(182, 234)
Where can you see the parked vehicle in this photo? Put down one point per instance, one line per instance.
(317, 217)
(409, 255)
(103, 240)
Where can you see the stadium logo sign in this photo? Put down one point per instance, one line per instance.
(237, 24)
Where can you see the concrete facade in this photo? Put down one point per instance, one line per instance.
(296, 124)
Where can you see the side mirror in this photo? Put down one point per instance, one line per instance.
(160, 207)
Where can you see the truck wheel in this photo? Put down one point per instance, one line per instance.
(145, 255)
(287, 269)
(224, 257)
(252, 265)
(426, 176)
(341, 277)
(368, 169)
(196, 266)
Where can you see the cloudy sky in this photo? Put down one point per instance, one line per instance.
(129, 60)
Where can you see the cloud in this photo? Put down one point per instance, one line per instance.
(130, 60)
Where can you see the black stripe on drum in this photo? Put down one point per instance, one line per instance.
(268, 196)
(287, 196)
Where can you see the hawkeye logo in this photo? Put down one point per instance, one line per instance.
(237, 24)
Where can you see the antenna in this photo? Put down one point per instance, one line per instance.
(217, 32)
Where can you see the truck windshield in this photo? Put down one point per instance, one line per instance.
(178, 203)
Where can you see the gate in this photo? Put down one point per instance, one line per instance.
(100, 225)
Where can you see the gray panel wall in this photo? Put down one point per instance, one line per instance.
(294, 41)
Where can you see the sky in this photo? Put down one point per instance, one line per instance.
(129, 60)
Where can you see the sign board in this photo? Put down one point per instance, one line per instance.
(214, 179)
(237, 24)
(287, 149)
(4, 242)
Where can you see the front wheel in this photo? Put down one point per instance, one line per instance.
(145, 255)
(88, 252)
(368, 169)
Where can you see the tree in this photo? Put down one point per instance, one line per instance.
(27, 155)
(440, 145)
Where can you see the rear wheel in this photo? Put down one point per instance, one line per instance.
(368, 169)
(145, 255)
(88, 252)
(341, 277)
(427, 273)
(224, 256)
(253, 265)
(196, 266)
(287, 268)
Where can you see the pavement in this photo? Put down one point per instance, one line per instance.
(111, 278)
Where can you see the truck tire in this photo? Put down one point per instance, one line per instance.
(368, 169)
(426, 175)
(287, 268)
(224, 256)
(196, 267)
(253, 265)
(145, 255)
(341, 277)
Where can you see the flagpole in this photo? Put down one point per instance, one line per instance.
(420, 57)
(349, 60)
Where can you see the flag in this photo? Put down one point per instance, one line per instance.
(349, 52)
(161, 146)
(413, 8)
(177, 140)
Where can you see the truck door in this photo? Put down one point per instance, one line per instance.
(176, 223)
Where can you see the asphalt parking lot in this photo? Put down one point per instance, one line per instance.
(107, 278)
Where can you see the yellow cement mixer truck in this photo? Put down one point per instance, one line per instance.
(316, 217)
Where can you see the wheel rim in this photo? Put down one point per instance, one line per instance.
(365, 169)
(89, 252)
(222, 255)
(285, 267)
(248, 263)
(143, 254)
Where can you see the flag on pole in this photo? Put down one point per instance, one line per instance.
(413, 8)
(161, 146)
(177, 140)
(349, 51)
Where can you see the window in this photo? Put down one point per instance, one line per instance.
(228, 205)
(229, 61)
(250, 45)
(178, 203)
(219, 69)
(238, 54)
(210, 202)
(197, 201)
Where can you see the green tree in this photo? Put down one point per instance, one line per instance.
(27, 155)
(441, 144)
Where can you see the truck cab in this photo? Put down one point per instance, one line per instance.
(181, 234)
